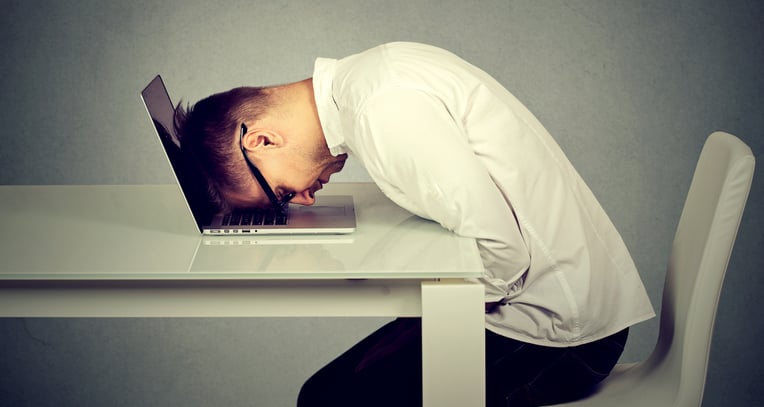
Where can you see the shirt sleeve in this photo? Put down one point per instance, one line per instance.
(422, 159)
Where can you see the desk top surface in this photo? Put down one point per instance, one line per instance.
(145, 232)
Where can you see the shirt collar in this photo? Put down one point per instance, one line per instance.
(328, 111)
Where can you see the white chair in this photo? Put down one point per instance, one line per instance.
(675, 372)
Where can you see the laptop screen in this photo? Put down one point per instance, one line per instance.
(189, 176)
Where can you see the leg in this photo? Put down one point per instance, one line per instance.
(384, 369)
(521, 374)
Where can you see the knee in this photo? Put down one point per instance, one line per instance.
(311, 394)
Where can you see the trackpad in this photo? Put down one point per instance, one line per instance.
(323, 210)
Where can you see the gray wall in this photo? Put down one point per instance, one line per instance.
(629, 88)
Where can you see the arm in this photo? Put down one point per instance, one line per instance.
(423, 160)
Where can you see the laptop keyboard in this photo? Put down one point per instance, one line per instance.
(255, 217)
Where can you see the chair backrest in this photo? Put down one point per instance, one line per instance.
(698, 261)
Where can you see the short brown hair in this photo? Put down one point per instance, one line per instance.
(205, 131)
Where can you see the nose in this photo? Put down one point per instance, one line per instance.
(304, 198)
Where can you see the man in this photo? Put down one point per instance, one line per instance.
(444, 140)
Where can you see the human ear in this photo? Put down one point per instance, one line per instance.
(260, 139)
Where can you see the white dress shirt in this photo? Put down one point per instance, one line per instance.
(447, 142)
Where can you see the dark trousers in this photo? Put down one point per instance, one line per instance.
(385, 369)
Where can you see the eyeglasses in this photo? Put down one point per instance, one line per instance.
(278, 204)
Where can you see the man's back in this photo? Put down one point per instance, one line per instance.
(446, 141)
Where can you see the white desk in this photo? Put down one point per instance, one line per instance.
(133, 251)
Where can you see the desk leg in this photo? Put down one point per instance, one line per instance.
(453, 343)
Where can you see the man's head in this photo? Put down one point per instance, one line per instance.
(274, 132)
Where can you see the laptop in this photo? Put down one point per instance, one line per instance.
(329, 215)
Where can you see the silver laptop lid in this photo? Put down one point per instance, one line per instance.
(189, 176)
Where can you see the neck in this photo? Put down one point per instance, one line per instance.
(296, 112)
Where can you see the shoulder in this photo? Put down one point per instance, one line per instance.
(397, 64)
